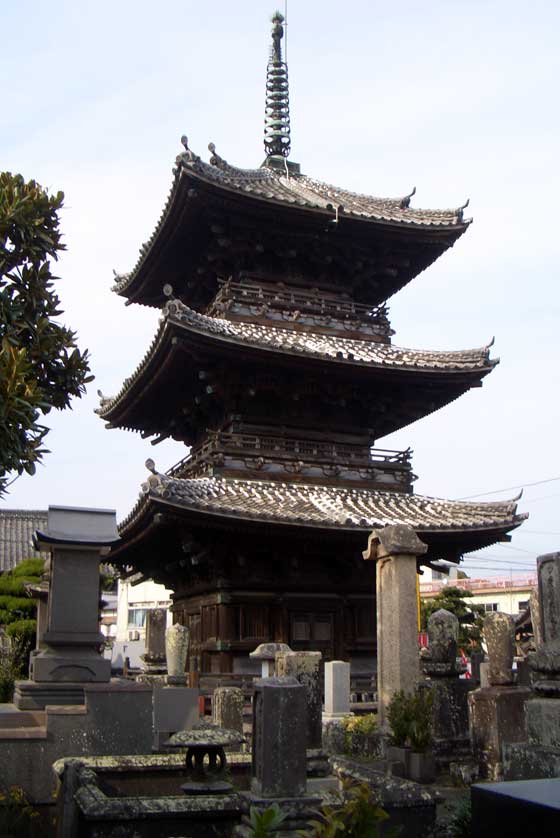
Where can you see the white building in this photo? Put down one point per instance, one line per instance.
(133, 603)
(510, 595)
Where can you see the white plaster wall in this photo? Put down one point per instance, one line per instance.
(144, 595)
(508, 601)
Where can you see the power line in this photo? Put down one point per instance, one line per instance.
(510, 488)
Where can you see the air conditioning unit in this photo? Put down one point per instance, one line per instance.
(134, 634)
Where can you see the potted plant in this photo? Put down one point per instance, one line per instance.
(399, 719)
(422, 765)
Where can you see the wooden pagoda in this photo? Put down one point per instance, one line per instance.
(274, 364)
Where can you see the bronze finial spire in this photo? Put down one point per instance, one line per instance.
(277, 109)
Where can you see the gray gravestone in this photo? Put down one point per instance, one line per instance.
(279, 766)
(337, 690)
(305, 667)
(499, 633)
(153, 659)
(176, 651)
(227, 708)
(450, 712)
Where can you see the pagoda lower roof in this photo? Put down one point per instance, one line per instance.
(322, 507)
(286, 190)
(333, 349)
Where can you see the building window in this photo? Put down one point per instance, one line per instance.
(523, 605)
(490, 606)
(137, 617)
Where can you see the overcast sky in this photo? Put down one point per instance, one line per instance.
(457, 99)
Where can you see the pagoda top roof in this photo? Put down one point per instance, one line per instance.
(323, 507)
(279, 183)
(312, 345)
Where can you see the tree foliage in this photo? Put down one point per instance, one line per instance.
(41, 366)
(469, 614)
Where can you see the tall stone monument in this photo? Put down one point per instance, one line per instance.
(396, 549)
(153, 659)
(76, 540)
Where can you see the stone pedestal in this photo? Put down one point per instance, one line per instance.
(497, 718)
(76, 540)
(396, 549)
(337, 690)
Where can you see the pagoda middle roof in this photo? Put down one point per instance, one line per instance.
(287, 188)
(312, 345)
(324, 507)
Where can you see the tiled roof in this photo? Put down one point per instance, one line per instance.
(17, 527)
(324, 506)
(300, 191)
(330, 348)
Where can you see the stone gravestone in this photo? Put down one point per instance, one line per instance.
(497, 712)
(305, 667)
(337, 690)
(153, 659)
(540, 758)
(450, 692)
(176, 651)
(279, 764)
(395, 549)
(227, 708)
(76, 540)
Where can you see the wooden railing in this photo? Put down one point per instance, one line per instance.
(293, 300)
(218, 444)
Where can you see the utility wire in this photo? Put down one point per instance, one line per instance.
(508, 488)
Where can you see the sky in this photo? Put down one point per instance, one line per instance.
(457, 99)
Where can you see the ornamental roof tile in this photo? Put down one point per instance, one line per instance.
(323, 506)
(17, 527)
(330, 348)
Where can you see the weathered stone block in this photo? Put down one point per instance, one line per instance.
(496, 717)
(543, 722)
(305, 667)
(279, 766)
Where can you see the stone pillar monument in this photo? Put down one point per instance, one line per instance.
(497, 712)
(450, 692)
(396, 549)
(76, 539)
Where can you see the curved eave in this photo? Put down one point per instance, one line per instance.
(184, 196)
(176, 335)
(500, 519)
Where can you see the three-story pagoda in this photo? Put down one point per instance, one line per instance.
(274, 364)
